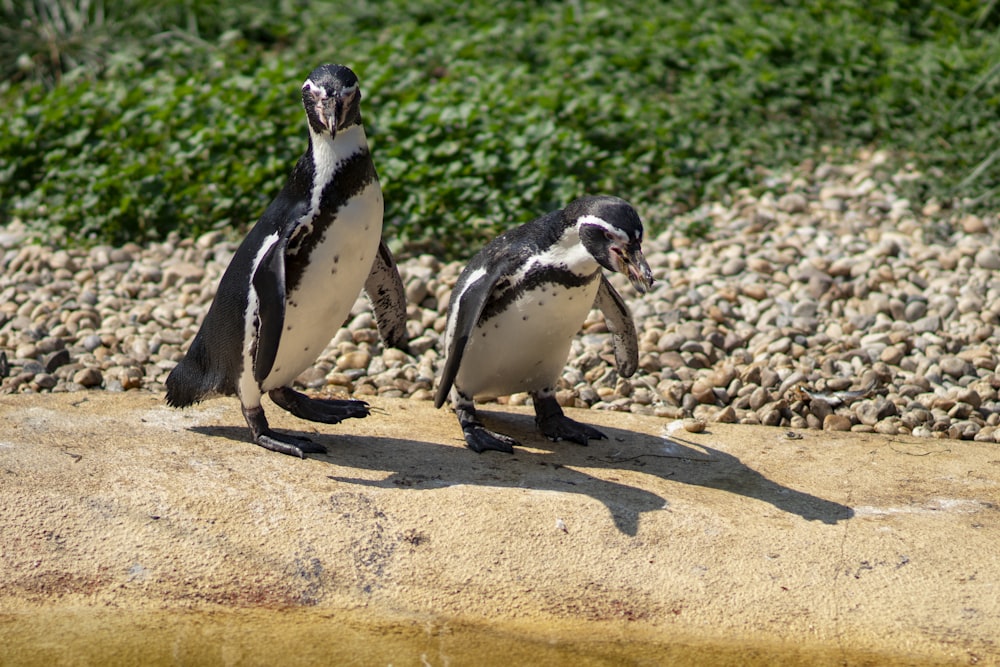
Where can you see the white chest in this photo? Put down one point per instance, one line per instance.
(334, 274)
(524, 348)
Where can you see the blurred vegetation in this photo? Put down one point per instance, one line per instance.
(126, 120)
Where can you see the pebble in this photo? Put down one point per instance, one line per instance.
(837, 423)
(988, 258)
(88, 377)
(827, 283)
(694, 425)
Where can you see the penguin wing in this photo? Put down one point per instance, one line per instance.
(385, 290)
(463, 314)
(619, 320)
(269, 284)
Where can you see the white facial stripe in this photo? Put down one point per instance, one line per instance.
(318, 94)
(321, 92)
(567, 252)
(314, 89)
(594, 221)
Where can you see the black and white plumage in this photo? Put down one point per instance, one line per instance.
(520, 301)
(294, 279)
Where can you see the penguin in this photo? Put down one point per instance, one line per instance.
(293, 280)
(520, 301)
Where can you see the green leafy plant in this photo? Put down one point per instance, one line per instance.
(483, 115)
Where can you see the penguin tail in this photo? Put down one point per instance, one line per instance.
(190, 381)
(183, 385)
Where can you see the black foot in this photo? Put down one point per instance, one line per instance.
(292, 445)
(479, 439)
(327, 411)
(556, 426)
(564, 428)
(262, 434)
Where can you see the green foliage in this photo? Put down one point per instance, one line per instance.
(483, 115)
(146, 159)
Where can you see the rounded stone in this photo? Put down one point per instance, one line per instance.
(892, 355)
(694, 425)
(703, 392)
(88, 377)
(955, 367)
(793, 202)
(354, 360)
(835, 422)
(870, 412)
(726, 415)
(988, 258)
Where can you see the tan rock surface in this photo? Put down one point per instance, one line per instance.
(118, 513)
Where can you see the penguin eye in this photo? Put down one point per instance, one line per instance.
(609, 236)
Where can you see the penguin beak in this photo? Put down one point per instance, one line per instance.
(336, 110)
(332, 111)
(633, 264)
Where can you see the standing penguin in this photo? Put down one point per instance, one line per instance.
(519, 302)
(293, 280)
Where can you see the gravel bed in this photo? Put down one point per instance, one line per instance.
(826, 302)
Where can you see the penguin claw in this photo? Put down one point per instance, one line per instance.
(560, 427)
(479, 439)
(326, 411)
(261, 434)
(331, 411)
(289, 444)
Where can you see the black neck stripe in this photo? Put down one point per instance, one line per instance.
(505, 294)
(354, 175)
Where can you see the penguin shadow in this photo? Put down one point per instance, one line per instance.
(560, 466)
(679, 459)
(430, 465)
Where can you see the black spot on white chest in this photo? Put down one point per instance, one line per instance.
(313, 246)
(524, 346)
(544, 284)
(327, 283)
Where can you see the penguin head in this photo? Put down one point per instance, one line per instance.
(332, 99)
(611, 231)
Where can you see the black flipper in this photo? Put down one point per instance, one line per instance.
(191, 379)
(465, 311)
(619, 320)
(269, 284)
(385, 290)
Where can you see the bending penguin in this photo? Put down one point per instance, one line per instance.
(294, 279)
(518, 304)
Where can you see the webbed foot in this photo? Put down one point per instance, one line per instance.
(262, 435)
(555, 425)
(564, 428)
(479, 439)
(327, 411)
(292, 445)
